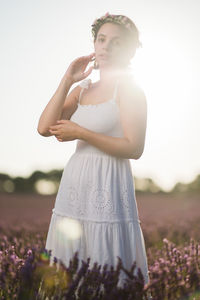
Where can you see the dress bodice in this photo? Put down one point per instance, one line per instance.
(103, 117)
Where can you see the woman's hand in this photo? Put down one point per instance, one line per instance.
(66, 130)
(76, 69)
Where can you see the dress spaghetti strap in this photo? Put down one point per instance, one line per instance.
(80, 95)
(84, 84)
(115, 90)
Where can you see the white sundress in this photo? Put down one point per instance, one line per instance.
(95, 211)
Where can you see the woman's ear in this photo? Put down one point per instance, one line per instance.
(96, 66)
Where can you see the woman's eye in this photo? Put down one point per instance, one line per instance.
(101, 40)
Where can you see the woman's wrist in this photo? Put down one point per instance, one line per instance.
(68, 80)
(80, 132)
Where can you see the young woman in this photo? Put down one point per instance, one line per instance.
(108, 118)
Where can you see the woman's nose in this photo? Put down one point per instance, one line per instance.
(108, 45)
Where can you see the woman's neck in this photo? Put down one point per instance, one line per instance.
(110, 75)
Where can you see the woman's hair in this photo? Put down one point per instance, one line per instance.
(125, 22)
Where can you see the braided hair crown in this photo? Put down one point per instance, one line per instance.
(121, 20)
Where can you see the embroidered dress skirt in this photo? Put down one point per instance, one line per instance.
(95, 213)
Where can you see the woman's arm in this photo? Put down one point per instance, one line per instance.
(53, 109)
(56, 108)
(133, 114)
(120, 147)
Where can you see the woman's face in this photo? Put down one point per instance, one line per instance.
(111, 46)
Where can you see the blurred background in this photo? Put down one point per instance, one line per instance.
(39, 39)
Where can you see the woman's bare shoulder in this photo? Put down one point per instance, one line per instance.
(128, 80)
(130, 88)
(85, 83)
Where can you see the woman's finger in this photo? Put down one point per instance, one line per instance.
(53, 131)
(88, 72)
(86, 58)
(59, 139)
(54, 126)
(62, 121)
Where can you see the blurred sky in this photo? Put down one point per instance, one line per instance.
(39, 39)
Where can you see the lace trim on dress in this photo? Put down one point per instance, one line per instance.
(137, 221)
(85, 84)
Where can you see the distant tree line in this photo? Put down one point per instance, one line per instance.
(48, 182)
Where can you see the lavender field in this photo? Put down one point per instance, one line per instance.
(170, 224)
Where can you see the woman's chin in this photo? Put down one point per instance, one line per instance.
(106, 65)
(110, 66)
